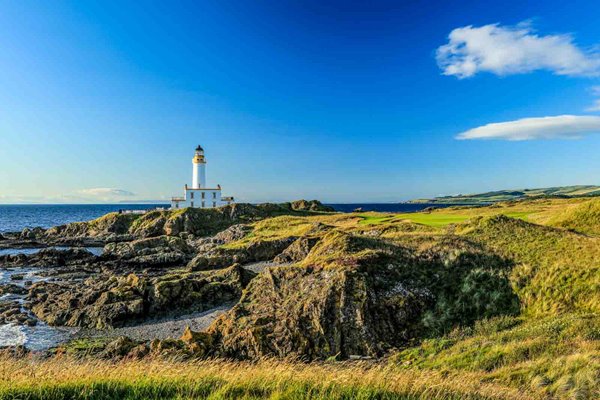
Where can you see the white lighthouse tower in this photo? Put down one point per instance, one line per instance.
(199, 169)
(200, 195)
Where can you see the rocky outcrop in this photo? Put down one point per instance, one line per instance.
(110, 301)
(316, 313)
(297, 251)
(12, 312)
(49, 257)
(310, 205)
(151, 252)
(358, 296)
(255, 251)
(9, 288)
(118, 227)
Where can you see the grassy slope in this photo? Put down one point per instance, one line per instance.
(556, 356)
(517, 194)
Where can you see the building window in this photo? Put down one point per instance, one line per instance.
(214, 195)
(191, 195)
(214, 204)
(202, 204)
(203, 194)
(192, 204)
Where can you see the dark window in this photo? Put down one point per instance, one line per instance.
(203, 194)
(202, 204)
(214, 195)
(214, 203)
(192, 204)
(191, 195)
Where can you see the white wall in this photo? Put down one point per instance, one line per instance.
(193, 198)
(198, 175)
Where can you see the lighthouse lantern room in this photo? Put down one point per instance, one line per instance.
(199, 195)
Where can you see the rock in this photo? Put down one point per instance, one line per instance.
(49, 257)
(310, 205)
(297, 251)
(138, 352)
(255, 251)
(118, 348)
(105, 302)
(155, 252)
(355, 304)
(10, 288)
(12, 312)
(198, 343)
(232, 234)
(31, 233)
(17, 277)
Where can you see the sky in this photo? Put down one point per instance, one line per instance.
(341, 101)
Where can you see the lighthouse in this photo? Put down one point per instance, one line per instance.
(199, 169)
(200, 195)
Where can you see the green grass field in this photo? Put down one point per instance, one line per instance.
(435, 219)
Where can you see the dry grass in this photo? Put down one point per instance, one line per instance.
(73, 379)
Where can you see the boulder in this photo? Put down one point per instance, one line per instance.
(49, 257)
(297, 251)
(255, 251)
(150, 252)
(118, 348)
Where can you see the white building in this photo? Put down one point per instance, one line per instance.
(199, 195)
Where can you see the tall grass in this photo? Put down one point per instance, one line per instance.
(69, 378)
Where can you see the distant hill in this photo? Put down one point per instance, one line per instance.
(518, 194)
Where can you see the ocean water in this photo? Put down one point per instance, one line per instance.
(14, 218)
(386, 207)
(38, 337)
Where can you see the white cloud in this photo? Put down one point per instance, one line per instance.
(104, 192)
(595, 106)
(559, 127)
(506, 50)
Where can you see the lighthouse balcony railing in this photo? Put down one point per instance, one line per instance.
(177, 199)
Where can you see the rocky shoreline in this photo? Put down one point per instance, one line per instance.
(157, 273)
(246, 282)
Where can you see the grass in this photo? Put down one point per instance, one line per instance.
(435, 219)
(559, 356)
(69, 378)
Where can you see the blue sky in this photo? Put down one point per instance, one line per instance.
(341, 101)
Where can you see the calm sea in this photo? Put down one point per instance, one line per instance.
(14, 218)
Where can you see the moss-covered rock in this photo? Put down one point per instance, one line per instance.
(354, 295)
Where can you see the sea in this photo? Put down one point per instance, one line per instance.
(13, 218)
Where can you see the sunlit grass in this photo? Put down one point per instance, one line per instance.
(69, 378)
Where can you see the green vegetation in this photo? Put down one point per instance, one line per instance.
(557, 356)
(68, 378)
(583, 217)
(429, 219)
(517, 194)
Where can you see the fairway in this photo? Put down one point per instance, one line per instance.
(429, 219)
